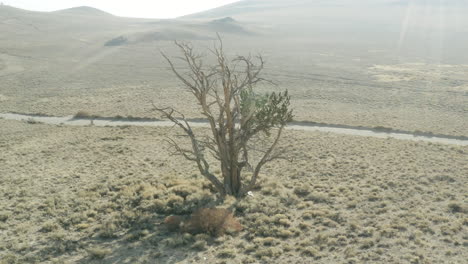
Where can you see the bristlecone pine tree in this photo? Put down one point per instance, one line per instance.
(239, 118)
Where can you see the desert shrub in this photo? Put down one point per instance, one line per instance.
(175, 197)
(227, 253)
(184, 190)
(302, 191)
(367, 243)
(317, 198)
(202, 237)
(268, 252)
(49, 227)
(310, 251)
(214, 221)
(457, 208)
(175, 202)
(444, 178)
(98, 253)
(367, 232)
(199, 245)
(267, 241)
(77, 218)
(108, 229)
(179, 240)
(321, 239)
(282, 220)
(137, 235)
(310, 214)
(271, 206)
(173, 222)
(4, 216)
(284, 233)
(82, 226)
(304, 226)
(9, 259)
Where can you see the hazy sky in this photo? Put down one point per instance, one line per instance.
(128, 8)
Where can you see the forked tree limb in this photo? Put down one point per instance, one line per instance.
(197, 153)
(266, 158)
(234, 112)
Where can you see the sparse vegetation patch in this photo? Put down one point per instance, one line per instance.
(100, 200)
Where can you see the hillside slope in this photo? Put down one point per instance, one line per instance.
(384, 63)
(83, 11)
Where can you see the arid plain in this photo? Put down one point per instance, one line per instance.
(99, 194)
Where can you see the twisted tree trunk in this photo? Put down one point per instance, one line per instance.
(235, 114)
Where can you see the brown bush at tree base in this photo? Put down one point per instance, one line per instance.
(173, 222)
(214, 221)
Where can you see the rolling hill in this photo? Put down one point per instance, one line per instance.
(389, 63)
(83, 11)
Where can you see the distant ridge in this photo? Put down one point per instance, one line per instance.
(83, 11)
(224, 20)
(227, 24)
(255, 8)
(222, 11)
(9, 9)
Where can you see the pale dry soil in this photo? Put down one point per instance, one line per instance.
(124, 81)
(99, 194)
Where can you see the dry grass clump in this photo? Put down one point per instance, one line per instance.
(4, 216)
(108, 229)
(458, 208)
(310, 252)
(282, 233)
(323, 217)
(136, 235)
(98, 253)
(49, 227)
(226, 253)
(9, 259)
(267, 220)
(172, 196)
(266, 241)
(179, 240)
(267, 253)
(317, 198)
(282, 219)
(199, 245)
(302, 191)
(184, 190)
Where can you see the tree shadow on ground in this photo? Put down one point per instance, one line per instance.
(146, 241)
(123, 223)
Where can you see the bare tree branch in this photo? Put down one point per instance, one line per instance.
(235, 113)
(266, 158)
(197, 153)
